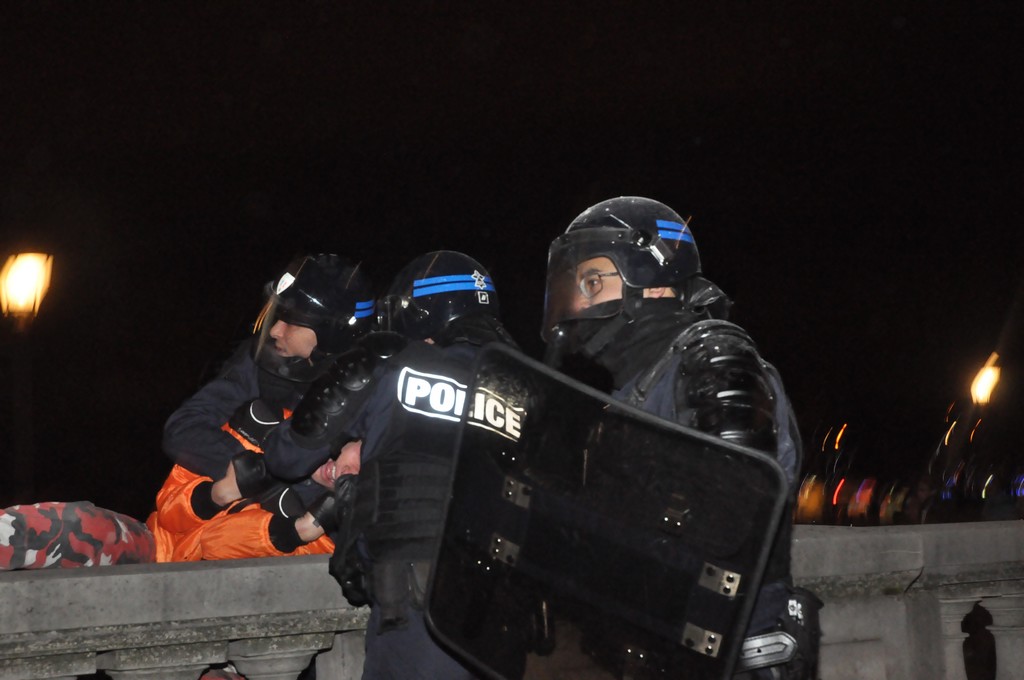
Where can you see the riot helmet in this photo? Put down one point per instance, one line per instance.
(324, 293)
(634, 243)
(434, 290)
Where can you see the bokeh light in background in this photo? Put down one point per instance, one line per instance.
(975, 471)
(985, 381)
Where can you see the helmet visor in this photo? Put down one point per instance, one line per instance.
(584, 281)
(282, 359)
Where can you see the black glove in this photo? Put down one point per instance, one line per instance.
(251, 474)
(282, 500)
(345, 565)
(255, 420)
(284, 503)
(323, 511)
(349, 573)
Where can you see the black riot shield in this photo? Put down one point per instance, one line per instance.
(585, 538)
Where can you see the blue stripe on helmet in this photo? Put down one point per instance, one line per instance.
(674, 231)
(434, 280)
(420, 291)
(445, 284)
(364, 309)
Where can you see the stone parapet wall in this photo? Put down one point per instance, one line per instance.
(267, 616)
(895, 603)
(896, 597)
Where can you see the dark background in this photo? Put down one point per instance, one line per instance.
(853, 171)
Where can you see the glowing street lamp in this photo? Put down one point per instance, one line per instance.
(985, 381)
(24, 281)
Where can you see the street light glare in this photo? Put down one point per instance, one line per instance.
(23, 283)
(985, 381)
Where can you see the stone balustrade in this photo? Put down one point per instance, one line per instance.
(269, 617)
(896, 599)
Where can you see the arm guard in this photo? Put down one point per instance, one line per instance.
(724, 386)
(321, 415)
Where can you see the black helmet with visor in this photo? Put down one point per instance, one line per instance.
(649, 246)
(325, 293)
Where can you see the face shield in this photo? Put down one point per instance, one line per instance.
(288, 351)
(584, 279)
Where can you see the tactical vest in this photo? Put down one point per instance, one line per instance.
(408, 449)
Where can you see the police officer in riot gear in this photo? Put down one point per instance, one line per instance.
(403, 399)
(624, 289)
(318, 307)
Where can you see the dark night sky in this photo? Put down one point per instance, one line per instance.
(853, 171)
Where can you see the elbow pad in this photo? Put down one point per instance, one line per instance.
(724, 385)
(318, 419)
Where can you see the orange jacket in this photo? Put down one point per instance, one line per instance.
(183, 536)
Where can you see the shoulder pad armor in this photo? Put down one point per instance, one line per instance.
(723, 383)
(319, 417)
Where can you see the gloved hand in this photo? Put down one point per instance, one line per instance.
(282, 500)
(286, 507)
(354, 583)
(323, 511)
(255, 420)
(251, 474)
(345, 565)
